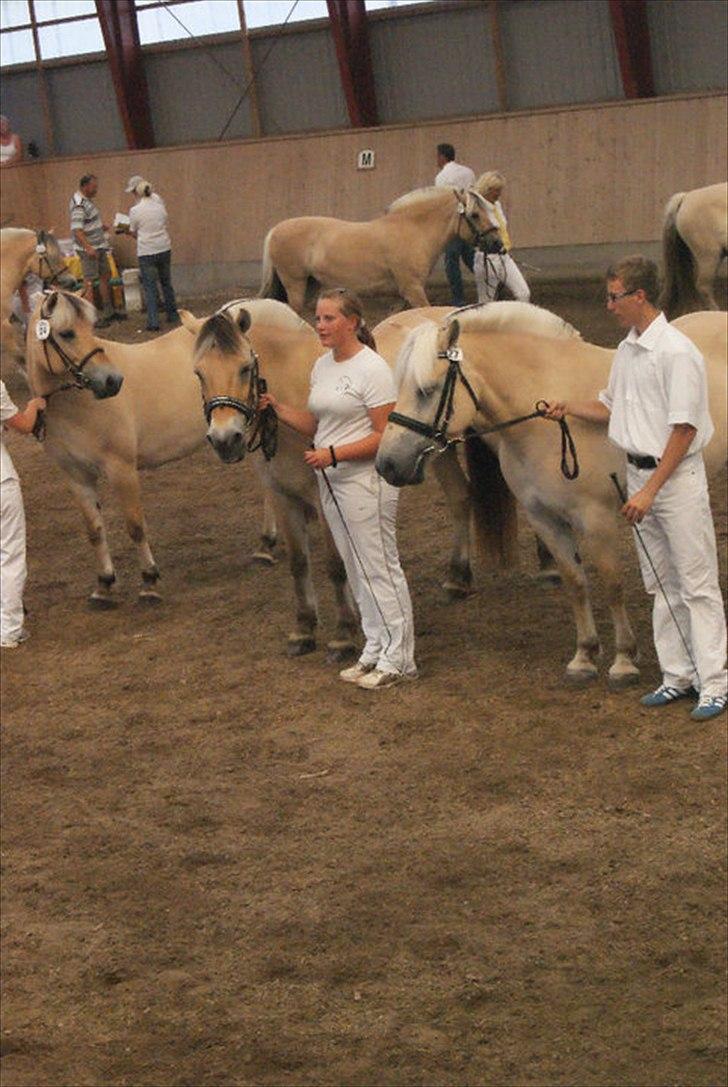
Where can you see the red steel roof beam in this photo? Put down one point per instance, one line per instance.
(121, 37)
(351, 37)
(632, 37)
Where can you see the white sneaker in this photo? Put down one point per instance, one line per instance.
(13, 643)
(354, 672)
(375, 679)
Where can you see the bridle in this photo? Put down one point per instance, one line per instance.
(482, 239)
(41, 250)
(75, 369)
(263, 425)
(437, 430)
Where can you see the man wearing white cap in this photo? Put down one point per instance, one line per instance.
(148, 223)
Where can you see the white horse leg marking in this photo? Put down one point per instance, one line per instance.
(623, 671)
(85, 493)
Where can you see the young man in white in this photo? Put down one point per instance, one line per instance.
(453, 175)
(496, 269)
(656, 405)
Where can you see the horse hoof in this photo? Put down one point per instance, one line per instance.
(623, 680)
(548, 579)
(299, 647)
(338, 654)
(580, 679)
(149, 597)
(454, 592)
(263, 558)
(100, 602)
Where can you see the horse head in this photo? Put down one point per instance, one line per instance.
(473, 211)
(48, 263)
(227, 368)
(62, 351)
(436, 403)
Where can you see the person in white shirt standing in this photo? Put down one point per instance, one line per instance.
(352, 394)
(454, 175)
(656, 405)
(493, 270)
(148, 222)
(13, 570)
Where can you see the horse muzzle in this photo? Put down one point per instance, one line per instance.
(104, 383)
(229, 446)
(401, 472)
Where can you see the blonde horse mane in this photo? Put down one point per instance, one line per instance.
(267, 311)
(514, 317)
(417, 196)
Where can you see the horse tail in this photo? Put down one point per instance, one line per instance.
(679, 291)
(270, 285)
(493, 506)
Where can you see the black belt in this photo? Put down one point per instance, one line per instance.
(642, 462)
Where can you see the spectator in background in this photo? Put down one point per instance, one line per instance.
(495, 270)
(148, 224)
(455, 176)
(92, 246)
(11, 147)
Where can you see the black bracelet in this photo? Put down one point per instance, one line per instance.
(334, 461)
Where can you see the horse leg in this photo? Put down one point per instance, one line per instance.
(623, 671)
(548, 574)
(455, 487)
(293, 516)
(559, 538)
(343, 645)
(295, 289)
(124, 480)
(269, 533)
(85, 493)
(412, 291)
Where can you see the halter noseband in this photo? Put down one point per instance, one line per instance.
(81, 380)
(437, 430)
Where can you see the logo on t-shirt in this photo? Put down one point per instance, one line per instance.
(344, 386)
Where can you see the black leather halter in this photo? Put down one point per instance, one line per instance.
(437, 430)
(262, 424)
(488, 240)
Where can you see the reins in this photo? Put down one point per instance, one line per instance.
(437, 430)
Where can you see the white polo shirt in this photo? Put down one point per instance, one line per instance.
(657, 380)
(455, 176)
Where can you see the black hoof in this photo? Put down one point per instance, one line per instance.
(338, 654)
(299, 647)
(99, 602)
(455, 592)
(548, 579)
(622, 682)
(580, 679)
(149, 597)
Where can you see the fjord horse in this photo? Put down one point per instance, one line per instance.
(694, 245)
(23, 251)
(499, 376)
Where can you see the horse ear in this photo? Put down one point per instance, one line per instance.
(243, 320)
(50, 303)
(190, 322)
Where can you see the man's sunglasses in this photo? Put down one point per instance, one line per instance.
(612, 297)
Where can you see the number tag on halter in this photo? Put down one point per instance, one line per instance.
(43, 329)
(454, 354)
(40, 248)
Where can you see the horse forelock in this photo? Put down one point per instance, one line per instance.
(515, 317)
(220, 333)
(417, 356)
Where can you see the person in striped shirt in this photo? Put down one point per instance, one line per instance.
(92, 246)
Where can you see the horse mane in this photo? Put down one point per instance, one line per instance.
(514, 317)
(417, 196)
(15, 231)
(267, 311)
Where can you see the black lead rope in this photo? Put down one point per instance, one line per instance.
(568, 448)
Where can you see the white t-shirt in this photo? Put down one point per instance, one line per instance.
(343, 392)
(657, 380)
(455, 176)
(148, 218)
(7, 411)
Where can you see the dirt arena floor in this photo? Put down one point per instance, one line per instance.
(224, 867)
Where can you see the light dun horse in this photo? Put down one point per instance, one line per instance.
(508, 373)
(393, 253)
(23, 251)
(263, 338)
(695, 243)
(112, 409)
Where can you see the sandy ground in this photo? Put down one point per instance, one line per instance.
(221, 866)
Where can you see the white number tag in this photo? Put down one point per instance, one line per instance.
(43, 329)
(40, 248)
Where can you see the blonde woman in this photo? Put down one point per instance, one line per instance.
(352, 394)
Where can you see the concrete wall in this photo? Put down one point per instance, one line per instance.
(581, 181)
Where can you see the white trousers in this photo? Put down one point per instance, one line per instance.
(679, 535)
(364, 530)
(12, 560)
(492, 271)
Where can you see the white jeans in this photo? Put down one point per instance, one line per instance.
(491, 271)
(367, 544)
(679, 535)
(12, 560)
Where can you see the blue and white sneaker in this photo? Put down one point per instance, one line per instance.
(710, 705)
(665, 696)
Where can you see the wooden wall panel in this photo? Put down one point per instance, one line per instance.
(577, 176)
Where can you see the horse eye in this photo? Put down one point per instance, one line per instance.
(68, 335)
(244, 370)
